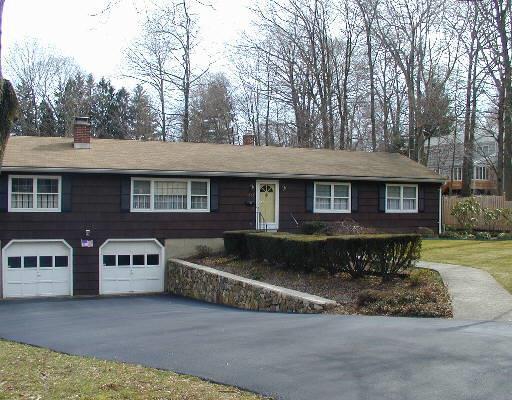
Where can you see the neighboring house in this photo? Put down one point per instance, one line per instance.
(446, 159)
(87, 217)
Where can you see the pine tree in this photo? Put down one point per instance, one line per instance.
(143, 118)
(47, 121)
(104, 110)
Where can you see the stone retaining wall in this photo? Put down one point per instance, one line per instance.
(214, 286)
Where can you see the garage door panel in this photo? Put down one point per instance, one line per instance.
(131, 266)
(37, 268)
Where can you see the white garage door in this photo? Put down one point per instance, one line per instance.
(131, 266)
(37, 268)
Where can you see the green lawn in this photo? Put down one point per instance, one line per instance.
(494, 257)
(28, 372)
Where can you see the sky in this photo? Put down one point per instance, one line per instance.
(96, 42)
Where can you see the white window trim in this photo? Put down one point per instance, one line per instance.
(457, 173)
(486, 173)
(332, 210)
(152, 195)
(34, 194)
(402, 211)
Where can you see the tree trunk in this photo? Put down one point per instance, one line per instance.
(162, 111)
(467, 164)
(2, 2)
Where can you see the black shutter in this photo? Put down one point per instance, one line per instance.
(214, 196)
(354, 201)
(421, 198)
(310, 196)
(4, 192)
(66, 193)
(382, 197)
(126, 189)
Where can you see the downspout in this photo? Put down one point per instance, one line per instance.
(440, 211)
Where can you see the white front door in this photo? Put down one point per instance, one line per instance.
(131, 266)
(33, 268)
(267, 205)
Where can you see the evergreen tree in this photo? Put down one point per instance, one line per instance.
(143, 118)
(73, 101)
(104, 110)
(27, 120)
(47, 121)
(122, 117)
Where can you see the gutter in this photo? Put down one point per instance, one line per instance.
(218, 174)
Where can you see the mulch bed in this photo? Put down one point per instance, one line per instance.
(419, 293)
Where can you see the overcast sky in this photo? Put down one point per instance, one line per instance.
(96, 42)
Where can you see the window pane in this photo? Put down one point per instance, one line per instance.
(47, 201)
(45, 262)
(109, 261)
(199, 188)
(199, 202)
(138, 259)
(141, 187)
(123, 260)
(394, 191)
(170, 195)
(409, 192)
(14, 262)
(30, 262)
(22, 200)
(323, 203)
(341, 204)
(47, 186)
(323, 190)
(409, 204)
(340, 190)
(153, 259)
(62, 261)
(141, 202)
(393, 204)
(22, 185)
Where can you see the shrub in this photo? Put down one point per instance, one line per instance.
(504, 236)
(346, 226)
(450, 235)
(313, 227)
(467, 212)
(203, 251)
(396, 253)
(298, 252)
(382, 255)
(483, 236)
(235, 243)
(425, 232)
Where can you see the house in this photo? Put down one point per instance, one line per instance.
(82, 216)
(446, 159)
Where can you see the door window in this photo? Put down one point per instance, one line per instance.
(30, 262)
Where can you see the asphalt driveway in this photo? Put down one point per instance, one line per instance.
(321, 357)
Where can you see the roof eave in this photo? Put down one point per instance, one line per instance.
(439, 180)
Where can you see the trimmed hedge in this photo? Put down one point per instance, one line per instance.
(383, 255)
(235, 242)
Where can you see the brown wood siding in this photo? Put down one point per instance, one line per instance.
(96, 205)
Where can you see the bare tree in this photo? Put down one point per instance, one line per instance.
(149, 62)
(8, 99)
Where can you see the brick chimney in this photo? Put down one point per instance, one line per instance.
(248, 140)
(82, 133)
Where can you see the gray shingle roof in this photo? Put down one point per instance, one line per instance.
(136, 157)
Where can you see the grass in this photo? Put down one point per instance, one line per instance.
(420, 293)
(27, 372)
(494, 257)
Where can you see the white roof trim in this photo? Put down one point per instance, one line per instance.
(219, 173)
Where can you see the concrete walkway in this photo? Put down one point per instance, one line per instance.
(475, 293)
